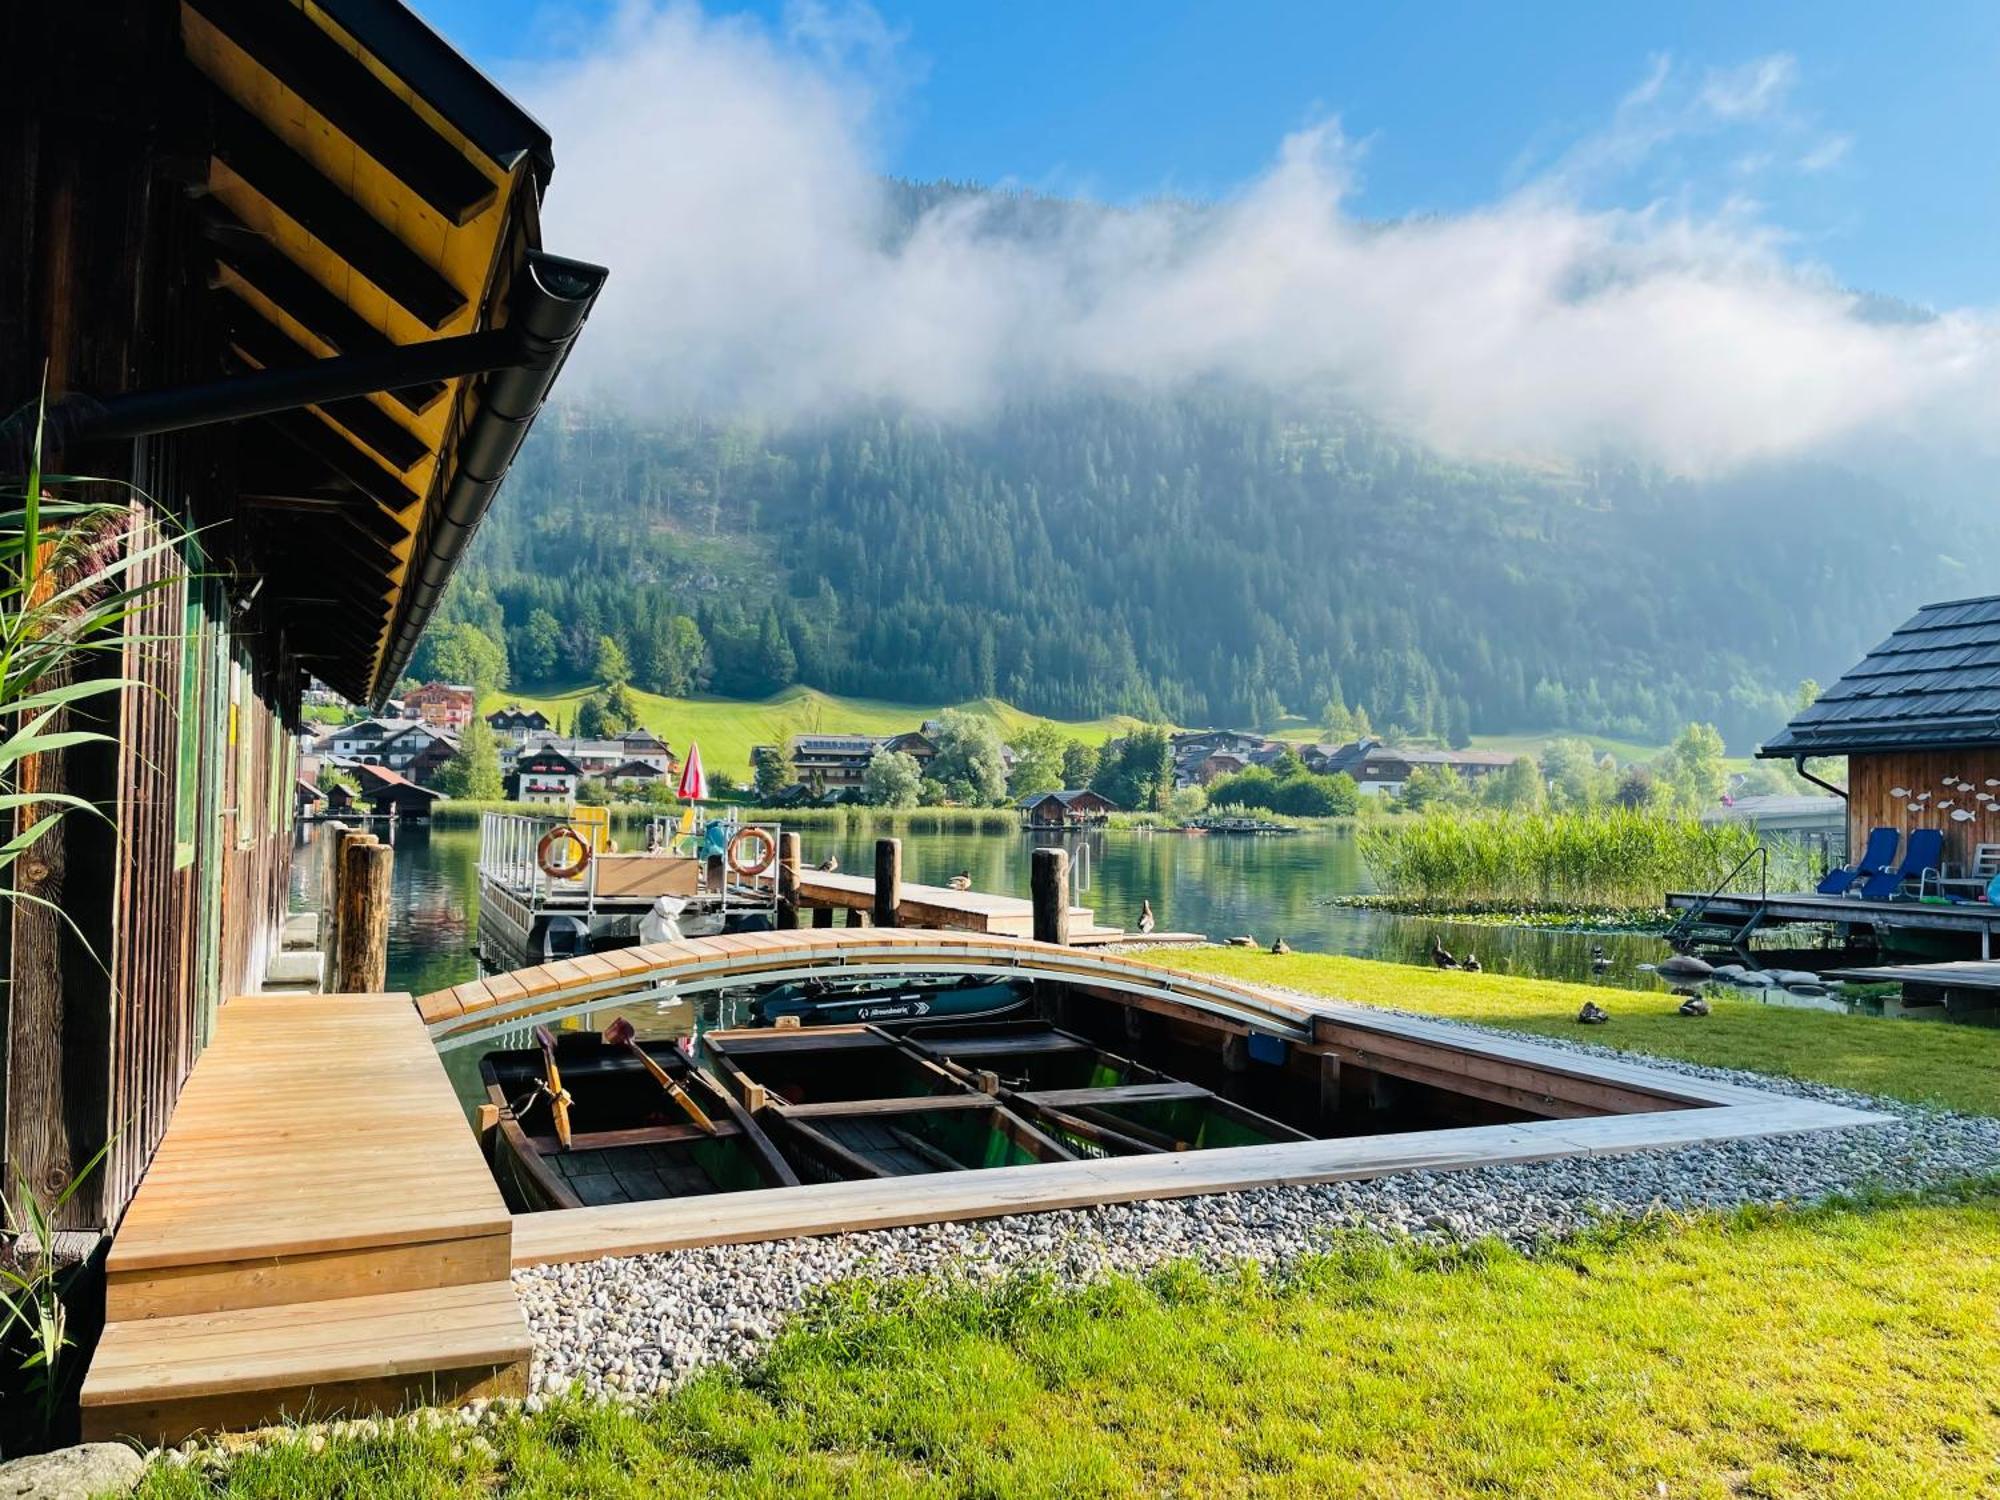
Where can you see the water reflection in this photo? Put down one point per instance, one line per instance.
(1218, 886)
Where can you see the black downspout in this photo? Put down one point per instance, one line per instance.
(551, 298)
(1799, 765)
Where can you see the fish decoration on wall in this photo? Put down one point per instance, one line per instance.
(1948, 802)
(1960, 815)
(1914, 807)
(1903, 791)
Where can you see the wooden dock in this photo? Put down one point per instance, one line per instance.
(941, 907)
(1979, 922)
(1969, 985)
(318, 1232)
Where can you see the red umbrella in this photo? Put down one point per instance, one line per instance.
(694, 782)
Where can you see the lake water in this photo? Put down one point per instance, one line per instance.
(1220, 886)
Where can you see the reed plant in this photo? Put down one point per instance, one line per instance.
(1611, 858)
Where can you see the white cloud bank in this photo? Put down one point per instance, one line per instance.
(726, 174)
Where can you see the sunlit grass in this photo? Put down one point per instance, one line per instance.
(1840, 1352)
(1957, 1067)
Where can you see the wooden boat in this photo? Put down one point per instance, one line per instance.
(1092, 1101)
(858, 1101)
(628, 1138)
(909, 1137)
(876, 1002)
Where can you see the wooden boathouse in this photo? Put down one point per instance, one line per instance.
(278, 268)
(1918, 723)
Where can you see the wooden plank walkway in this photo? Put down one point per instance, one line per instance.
(316, 1212)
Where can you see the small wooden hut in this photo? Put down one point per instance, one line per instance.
(1918, 720)
(1080, 808)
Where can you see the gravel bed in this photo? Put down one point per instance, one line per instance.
(636, 1324)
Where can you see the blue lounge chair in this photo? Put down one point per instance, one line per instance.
(1878, 856)
(1923, 852)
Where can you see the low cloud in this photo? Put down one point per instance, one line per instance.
(729, 174)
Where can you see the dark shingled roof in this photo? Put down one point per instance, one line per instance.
(1934, 684)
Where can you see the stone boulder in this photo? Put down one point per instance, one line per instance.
(78, 1473)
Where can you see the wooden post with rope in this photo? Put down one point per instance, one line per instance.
(888, 881)
(365, 866)
(788, 881)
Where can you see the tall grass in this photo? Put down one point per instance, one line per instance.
(1575, 860)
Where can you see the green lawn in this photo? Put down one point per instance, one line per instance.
(726, 728)
(1930, 1063)
(1844, 1352)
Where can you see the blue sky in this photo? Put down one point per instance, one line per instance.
(1871, 148)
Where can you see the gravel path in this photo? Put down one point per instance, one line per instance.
(633, 1325)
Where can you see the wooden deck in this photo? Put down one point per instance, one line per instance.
(1979, 920)
(318, 1226)
(937, 906)
(1973, 983)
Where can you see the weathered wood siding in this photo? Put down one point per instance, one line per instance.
(1873, 778)
(145, 919)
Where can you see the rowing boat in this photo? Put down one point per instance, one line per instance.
(876, 1002)
(630, 1137)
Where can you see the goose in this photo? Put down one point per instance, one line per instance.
(1472, 964)
(1246, 941)
(1281, 947)
(1145, 916)
(830, 864)
(1441, 955)
(962, 881)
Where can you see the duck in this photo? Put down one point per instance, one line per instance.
(962, 881)
(1694, 1005)
(1441, 955)
(830, 864)
(1146, 923)
(1599, 960)
(1281, 947)
(1246, 941)
(1592, 1014)
(1472, 965)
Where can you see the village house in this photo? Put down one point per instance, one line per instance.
(544, 775)
(387, 793)
(444, 705)
(1379, 769)
(602, 757)
(363, 739)
(1202, 755)
(419, 752)
(633, 776)
(516, 723)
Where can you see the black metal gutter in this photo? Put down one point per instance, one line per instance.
(1799, 765)
(546, 309)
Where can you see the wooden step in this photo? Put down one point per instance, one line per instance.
(302, 930)
(160, 1380)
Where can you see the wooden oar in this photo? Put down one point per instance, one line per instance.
(620, 1033)
(552, 1080)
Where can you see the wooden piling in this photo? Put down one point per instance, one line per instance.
(1049, 892)
(364, 917)
(788, 881)
(822, 916)
(342, 837)
(327, 852)
(888, 880)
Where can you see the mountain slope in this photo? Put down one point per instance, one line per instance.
(1213, 557)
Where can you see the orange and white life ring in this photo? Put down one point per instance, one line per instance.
(545, 855)
(767, 850)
